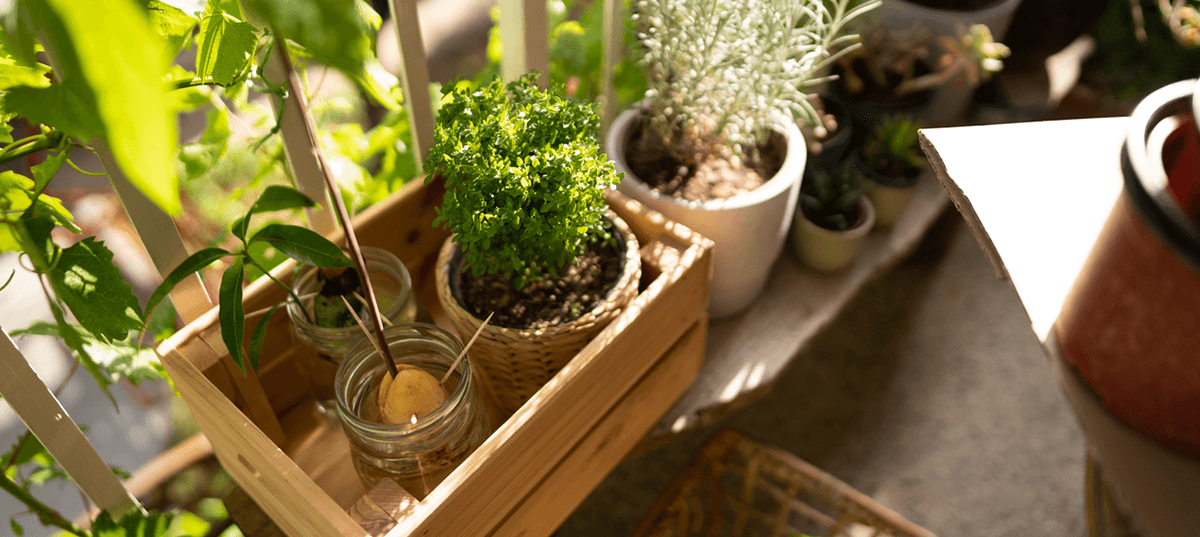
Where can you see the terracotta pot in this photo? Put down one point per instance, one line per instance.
(748, 229)
(1131, 324)
(827, 249)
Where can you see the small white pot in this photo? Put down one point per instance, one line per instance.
(828, 250)
(749, 229)
(889, 201)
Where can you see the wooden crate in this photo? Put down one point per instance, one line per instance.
(531, 472)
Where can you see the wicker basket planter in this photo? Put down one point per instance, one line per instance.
(516, 363)
(531, 472)
(738, 487)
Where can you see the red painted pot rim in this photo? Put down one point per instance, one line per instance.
(1146, 182)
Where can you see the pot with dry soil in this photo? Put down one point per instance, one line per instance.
(715, 145)
(534, 246)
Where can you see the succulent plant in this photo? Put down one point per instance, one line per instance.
(893, 152)
(891, 57)
(830, 198)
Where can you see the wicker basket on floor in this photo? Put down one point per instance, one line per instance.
(738, 487)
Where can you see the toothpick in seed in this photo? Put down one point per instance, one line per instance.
(363, 326)
(464, 351)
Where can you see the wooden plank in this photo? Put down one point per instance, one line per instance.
(278, 485)
(45, 417)
(1036, 194)
(160, 237)
(592, 459)
(524, 33)
(489, 484)
(300, 161)
(378, 511)
(247, 392)
(746, 353)
(414, 75)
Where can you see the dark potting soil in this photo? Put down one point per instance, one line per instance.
(710, 178)
(546, 301)
(328, 309)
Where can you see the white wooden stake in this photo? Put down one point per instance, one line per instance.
(414, 75)
(301, 163)
(45, 417)
(159, 236)
(613, 11)
(525, 36)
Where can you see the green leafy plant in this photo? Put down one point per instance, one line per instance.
(524, 180)
(830, 199)
(720, 73)
(299, 243)
(893, 151)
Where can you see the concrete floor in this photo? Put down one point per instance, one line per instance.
(930, 394)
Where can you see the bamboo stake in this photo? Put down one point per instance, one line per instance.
(524, 32)
(414, 76)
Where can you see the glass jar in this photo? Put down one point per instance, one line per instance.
(418, 455)
(320, 349)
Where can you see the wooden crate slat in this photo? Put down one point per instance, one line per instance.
(490, 483)
(414, 75)
(259, 466)
(613, 34)
(591, 460)
(524, 34)
(54, 428)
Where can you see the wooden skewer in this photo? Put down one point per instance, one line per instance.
(465, 347)
(364, 329)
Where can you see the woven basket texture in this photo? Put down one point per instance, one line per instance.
(515, 363)
(738, 487)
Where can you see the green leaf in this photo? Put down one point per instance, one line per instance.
(135, 523)
(42, 173)
(123, 71)
(16, 528)
(256, 339)
(186, 524)
(122, 358)
(15, 74)
(224, 45)
(273, 198)
(75, 342)
(303, 245)
(334, 32)
(161, 322)
(68, 106)
(232, 314)
(44, 475)
(193, 263)
(91, 285)
(171, 23)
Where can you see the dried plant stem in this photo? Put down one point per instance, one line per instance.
(458, 359)
(335, 193)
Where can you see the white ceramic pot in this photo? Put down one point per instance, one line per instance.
(826, 249)
(749, 229)
(951, 99)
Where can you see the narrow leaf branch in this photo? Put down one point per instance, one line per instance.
(339, 206)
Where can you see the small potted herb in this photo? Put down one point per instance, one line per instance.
(715, 146)
(891, 161)
(833, 219)
(533, 243)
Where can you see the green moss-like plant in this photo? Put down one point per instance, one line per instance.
(524, 178)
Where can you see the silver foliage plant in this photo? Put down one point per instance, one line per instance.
(720, 72)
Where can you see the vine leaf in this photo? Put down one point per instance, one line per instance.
(232, 314)
(14, 74)
(223, 45)
(120, 83)
(86, 279)
(68, 106)
(172, 23)
(334, 32)
(122, 358)
(193, 263)
(256, 339)
(303, 245)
